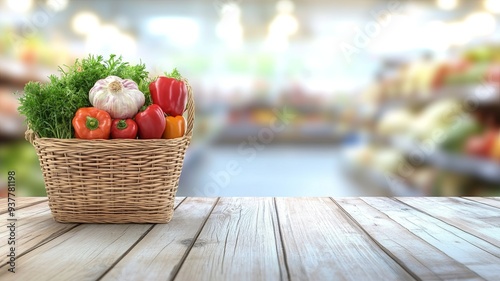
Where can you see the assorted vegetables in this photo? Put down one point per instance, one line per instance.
(49, 108)
(102, 99)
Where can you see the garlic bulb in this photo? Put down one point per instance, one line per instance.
(121, 98)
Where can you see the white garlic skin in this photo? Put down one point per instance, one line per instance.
(121, 98)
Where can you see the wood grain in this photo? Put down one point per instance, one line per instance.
(468, 250)
(488, 201)
(25, 213)
(321, 243)
(21, 202)
(160, 252)
(178, 201)
(34, 226)
(238, 242)
(269, 239)
(37, 227)
(83, 253)
(475, 218)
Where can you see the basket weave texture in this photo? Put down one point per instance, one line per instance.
(113, 181)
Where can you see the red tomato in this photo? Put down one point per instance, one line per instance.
(123, 129)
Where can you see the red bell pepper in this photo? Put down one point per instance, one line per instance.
(123, 129)
(92, 123)
(170, 93)
(151, 122)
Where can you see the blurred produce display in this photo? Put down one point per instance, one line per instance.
(426, 80)
(20, 157)
(437, 125)
(413, 104)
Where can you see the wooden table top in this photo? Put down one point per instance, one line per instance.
(267, 239)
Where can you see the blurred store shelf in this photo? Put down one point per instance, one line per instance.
(11, 127)
(483, 169)
(481, 94)
(393, 186)
(17, 74)
(323, 132)
(205, 133)
(384, 182)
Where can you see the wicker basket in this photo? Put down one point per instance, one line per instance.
(113, 181)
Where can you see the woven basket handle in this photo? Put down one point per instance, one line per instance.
(190, 110)
(29, 135)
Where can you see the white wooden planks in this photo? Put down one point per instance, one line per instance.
(485, 200)
(34, 226)
(238, 242)
(448, 251)
(21, 202)
(475, 218)
(160, 253)
(270, 239)
(83, 253)
(321, 243)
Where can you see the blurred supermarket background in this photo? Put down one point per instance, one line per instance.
(294, 97)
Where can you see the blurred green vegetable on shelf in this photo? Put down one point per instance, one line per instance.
(20, 156)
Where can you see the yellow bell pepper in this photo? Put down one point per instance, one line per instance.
(175, 127)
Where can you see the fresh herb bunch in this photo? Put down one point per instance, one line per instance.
(49, 108)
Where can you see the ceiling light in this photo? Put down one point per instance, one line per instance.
(85, 23)
(180, 31)
(480, 24)
(285, 6)
(447, 4)
(283, 25)
(109, 38)
(457, 33)
(229, 28)
(21, 6)
(231, 10)
(492, 6)
(232, 34)
(57, 5)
